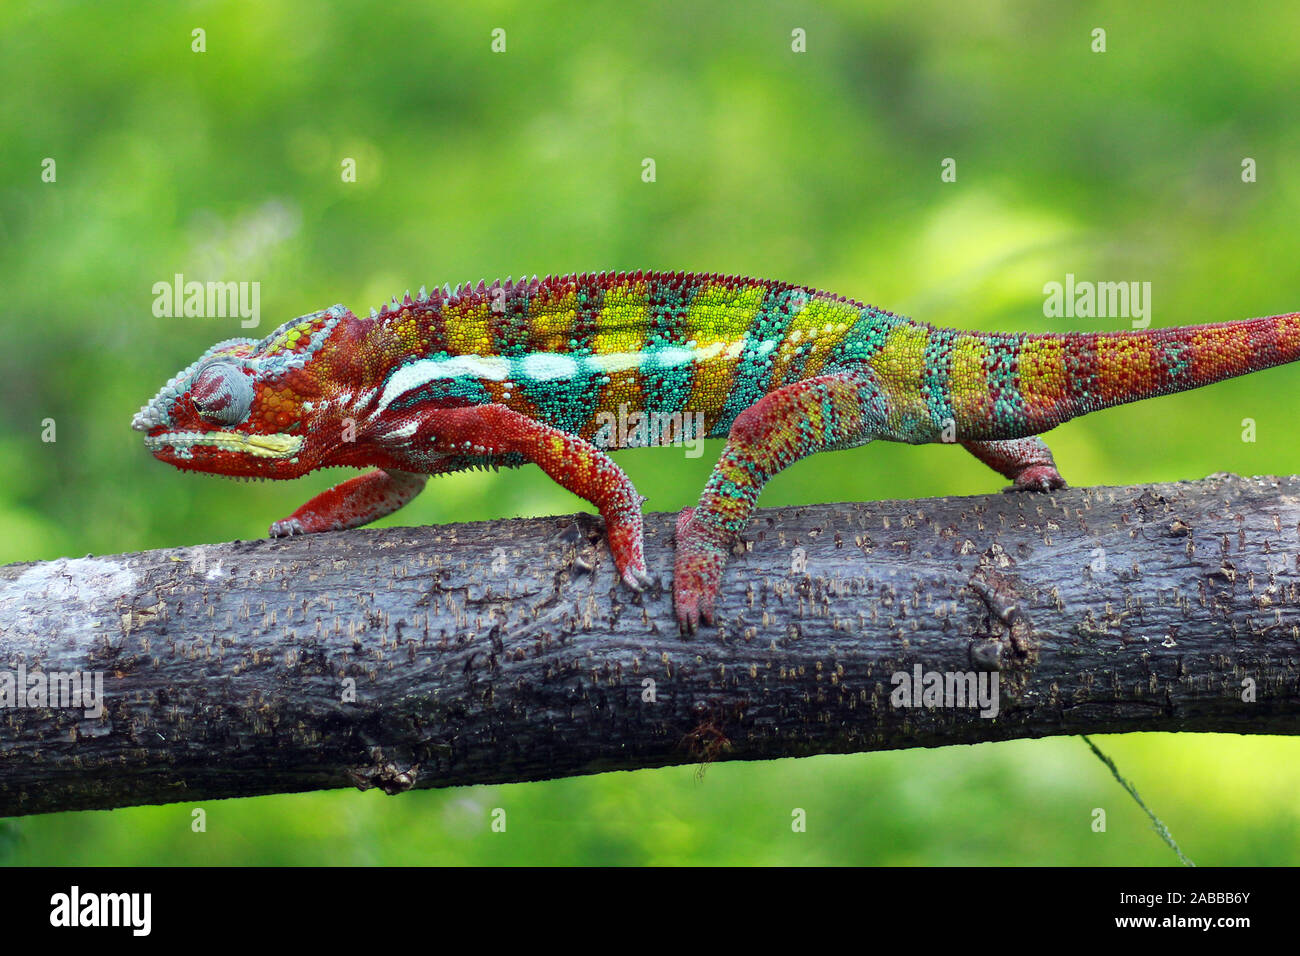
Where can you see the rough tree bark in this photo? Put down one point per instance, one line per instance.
(506, 651)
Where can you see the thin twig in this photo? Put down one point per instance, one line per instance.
(1155, 820)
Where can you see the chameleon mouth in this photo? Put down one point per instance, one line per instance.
(260, 446)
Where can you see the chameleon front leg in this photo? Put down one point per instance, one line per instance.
(1026, 461)
(837, 410)
(572, 462)
(352, 503)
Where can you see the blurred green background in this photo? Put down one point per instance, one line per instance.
(821, 167)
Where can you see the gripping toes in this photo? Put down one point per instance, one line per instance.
(1037, 478)
(837, 410)
(627, 543)
(571, 461)
(286, 528)
(697, 570)
(638, 579)
(1026, 461)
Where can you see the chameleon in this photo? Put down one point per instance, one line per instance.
(526, 371)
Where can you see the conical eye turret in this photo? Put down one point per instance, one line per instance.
(222, 394)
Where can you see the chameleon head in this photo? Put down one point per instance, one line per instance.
(250, 408)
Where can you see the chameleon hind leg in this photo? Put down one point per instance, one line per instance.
(837, 410)
(1026, 461)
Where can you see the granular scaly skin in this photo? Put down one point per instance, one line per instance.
(536, 371)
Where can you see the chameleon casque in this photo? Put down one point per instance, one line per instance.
(519, 372)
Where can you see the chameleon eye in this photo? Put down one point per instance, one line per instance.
(222, 394)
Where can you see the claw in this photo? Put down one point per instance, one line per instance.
(1039, 478)
(692, 611)
(637, 579)
(286, 528)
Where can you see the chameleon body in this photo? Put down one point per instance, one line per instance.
(529, 371)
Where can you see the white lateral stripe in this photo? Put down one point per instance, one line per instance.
(546, 366)
(673, 356)
(616, 361)
(421, 373)
(549, 366)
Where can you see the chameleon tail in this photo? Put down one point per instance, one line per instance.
(1062, 376)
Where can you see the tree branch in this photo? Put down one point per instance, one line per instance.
(506, 650)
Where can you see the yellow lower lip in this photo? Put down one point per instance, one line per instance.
(260, 446)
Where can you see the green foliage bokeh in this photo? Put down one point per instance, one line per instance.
(820, 167)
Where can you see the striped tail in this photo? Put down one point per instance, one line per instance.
(1058, 377)
(1119, 367)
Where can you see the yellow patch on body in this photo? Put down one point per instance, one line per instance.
(551, 322)
(469, 328)
(814, 331)
(409, 332)
(899, 366)
(624, 321)
(968, 383)
(717, 323)
(722, 313)
(715, 372)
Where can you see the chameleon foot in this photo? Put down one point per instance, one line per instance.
(637, 579)
(697, 570)
(1026, 461)
(627, 545)
(1037, 478)
(286, 528)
